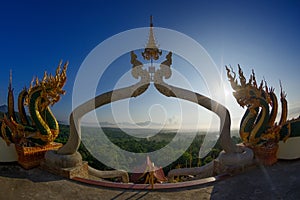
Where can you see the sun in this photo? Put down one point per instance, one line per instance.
(227, 92)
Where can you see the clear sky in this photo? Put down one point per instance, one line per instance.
(260, 35)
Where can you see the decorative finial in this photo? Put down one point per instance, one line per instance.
(151, 51)
(151, 21)
(10, 80)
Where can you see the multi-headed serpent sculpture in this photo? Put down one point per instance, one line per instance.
(43, 128)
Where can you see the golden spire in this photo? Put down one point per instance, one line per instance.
(151, 41)
(151, 51)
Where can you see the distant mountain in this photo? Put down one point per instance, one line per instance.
(147, 123)
(63, 122)
(3, 108)
(125, 124)
(107, 124)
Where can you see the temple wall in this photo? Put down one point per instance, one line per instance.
(7, 153)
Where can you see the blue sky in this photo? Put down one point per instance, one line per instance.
(263, 35)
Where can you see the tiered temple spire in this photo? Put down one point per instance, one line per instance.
(151, 51)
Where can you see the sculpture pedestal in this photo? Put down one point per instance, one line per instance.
(266, 154)
(80, 170)
(233, 163)
(68, 166)
(30, 157)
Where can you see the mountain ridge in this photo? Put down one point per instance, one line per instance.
(3, 108)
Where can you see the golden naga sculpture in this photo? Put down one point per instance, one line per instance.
(258, 126)
(43, 128)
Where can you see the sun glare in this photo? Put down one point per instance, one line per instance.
(227, 92)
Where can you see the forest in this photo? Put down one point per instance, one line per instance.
(92, 142)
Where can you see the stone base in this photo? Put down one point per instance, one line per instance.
(71, 172)
(30, 157)
(68, 166)
(232, 163)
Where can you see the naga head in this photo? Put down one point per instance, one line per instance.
(50, 87)
(247, 93)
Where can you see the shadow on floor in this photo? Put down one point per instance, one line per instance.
(13, 170)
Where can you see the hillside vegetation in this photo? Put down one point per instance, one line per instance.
(90, 135)
(93, 143)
